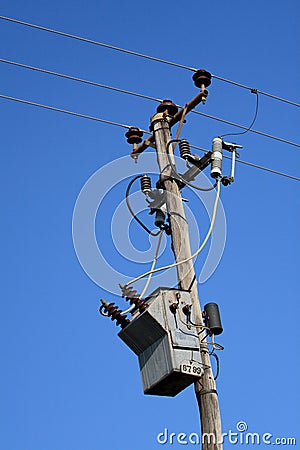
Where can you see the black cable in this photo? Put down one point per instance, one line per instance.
(207, 334)
(189, 321)
(191, 283)
(251, 124)
(212, 353)
(131, 210)
(194, 324)
(177, 175)
(188, 334)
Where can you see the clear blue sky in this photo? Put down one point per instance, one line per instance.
(67, 381)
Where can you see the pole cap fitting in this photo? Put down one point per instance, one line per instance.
(169, 105)
(134, 135)
(202, 77)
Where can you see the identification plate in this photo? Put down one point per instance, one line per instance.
(192, 368)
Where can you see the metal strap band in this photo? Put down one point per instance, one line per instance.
(208, 391)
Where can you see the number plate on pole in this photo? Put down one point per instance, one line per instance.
(192, 368)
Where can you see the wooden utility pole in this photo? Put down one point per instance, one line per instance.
(205, 388)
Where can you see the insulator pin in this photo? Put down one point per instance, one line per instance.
(146, 187)
(134, 135)
(159, 218)
(216, 158)
(212, 318)
(184, 148)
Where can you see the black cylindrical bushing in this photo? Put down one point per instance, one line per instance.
(159, 218)
(169, 105)
(212, 318)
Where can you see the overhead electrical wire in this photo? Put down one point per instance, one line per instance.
(65, 111)
(101, 44)
(261, 133)
(267, 94)
(80, 80)
(143, 55)
(276, 172)
(147, 97)
(251, 124)
(109, 122)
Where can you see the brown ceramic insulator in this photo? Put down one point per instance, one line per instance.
(134, 135)
(140, 304)
(202, 78)
(116, 314)
(128, 291)
(121, 320)
(167, 105)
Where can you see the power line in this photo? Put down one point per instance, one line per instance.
(268, 170)
(147, 97)
(143, 55)
(80, 80)
(109, 122)
(243, 86)
(71, 113)
(270, 136)
(101, 44)
(249, 128)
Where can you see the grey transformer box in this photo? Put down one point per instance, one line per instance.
(168, 352)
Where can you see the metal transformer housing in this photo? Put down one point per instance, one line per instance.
(168, 352)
